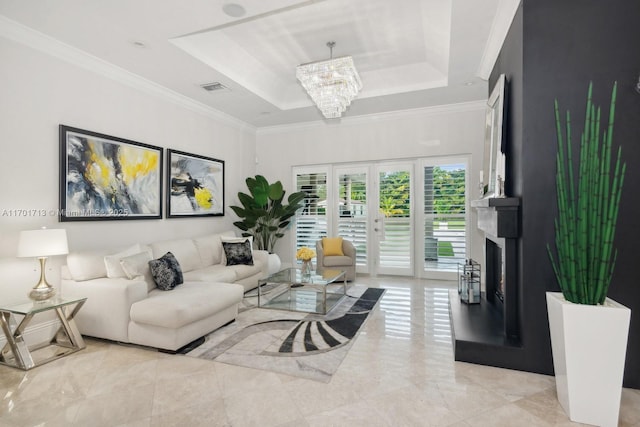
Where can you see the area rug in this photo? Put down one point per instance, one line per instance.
(304, 345)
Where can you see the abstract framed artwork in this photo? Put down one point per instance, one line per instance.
(103, 177)
(195, 185)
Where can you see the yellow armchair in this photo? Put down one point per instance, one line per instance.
(337, 254)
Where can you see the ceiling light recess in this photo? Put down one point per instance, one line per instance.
(234, 10)
(332, 84)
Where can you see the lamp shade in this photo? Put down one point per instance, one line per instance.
(43, 243)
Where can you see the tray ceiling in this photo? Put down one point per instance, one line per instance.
(410, 53)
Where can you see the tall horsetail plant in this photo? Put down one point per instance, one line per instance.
(587, 207)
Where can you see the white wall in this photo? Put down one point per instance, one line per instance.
(40, 92)
(440, 131)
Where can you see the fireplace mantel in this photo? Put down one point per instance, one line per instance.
(498, 216)
(490, 331)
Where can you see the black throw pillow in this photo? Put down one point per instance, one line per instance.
(238, 253)
(166, 271)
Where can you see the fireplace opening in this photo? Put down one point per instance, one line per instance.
(494, 273)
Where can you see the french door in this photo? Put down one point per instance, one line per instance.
(353, 212)
(373, 209)
(404, 218)
(443, 217)
(393, 224)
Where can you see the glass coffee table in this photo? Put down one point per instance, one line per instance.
(290, 290)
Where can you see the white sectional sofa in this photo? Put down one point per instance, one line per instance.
(133, 310)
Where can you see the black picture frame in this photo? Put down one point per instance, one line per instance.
(194, 185)
(104, 177)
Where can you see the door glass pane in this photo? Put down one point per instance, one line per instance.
(395, 205)
(445, 217)
(352, 212)
(311, 220)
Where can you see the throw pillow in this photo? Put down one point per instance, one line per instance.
(138, 265)
(166, 272)
(112, 262)
(238, 253)
(332, 246)
(230, 239)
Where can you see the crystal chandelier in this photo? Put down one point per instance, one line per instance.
(332, 84)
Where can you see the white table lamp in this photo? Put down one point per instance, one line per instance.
(42, 244)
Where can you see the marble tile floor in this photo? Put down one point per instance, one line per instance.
(399, 372)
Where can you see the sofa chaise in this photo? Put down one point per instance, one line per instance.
(126, 306)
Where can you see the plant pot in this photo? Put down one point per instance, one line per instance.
(589, 346)
(274, 264)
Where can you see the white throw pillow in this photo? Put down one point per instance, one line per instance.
(112, 262)
(137, 265)
(229, 239)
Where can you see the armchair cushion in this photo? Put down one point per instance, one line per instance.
(338, 261)
(332, 246)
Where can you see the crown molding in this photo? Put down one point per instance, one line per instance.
(505, 13)
(17, 32)
(461, 107)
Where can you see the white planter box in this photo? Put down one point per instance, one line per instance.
(589, 348)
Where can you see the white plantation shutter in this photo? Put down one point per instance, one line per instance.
(311, 220)
(395, 203)
(352, 212)
(445, 216)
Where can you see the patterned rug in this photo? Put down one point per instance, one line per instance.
(300, 344)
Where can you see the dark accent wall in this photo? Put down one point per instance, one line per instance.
(552, 51)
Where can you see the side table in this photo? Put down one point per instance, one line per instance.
(15, 319)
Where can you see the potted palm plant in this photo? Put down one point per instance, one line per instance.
(589, 331)
(263, 213)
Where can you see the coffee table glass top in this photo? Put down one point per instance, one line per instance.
(290, 290)
(294, 275)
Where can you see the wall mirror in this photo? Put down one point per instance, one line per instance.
(494, 159)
